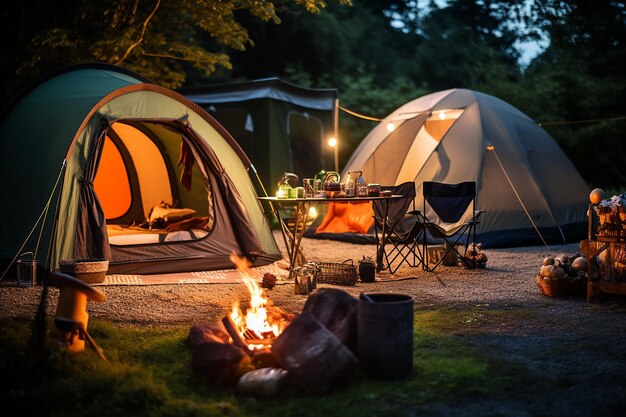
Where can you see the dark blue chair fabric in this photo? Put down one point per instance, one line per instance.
(402, 229)
(449, 202)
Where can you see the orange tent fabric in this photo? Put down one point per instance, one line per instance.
(347, 218)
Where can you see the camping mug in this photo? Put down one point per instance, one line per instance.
(373, 190)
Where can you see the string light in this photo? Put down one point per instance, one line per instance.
(391, 127)
(362, 116)
(571, 122)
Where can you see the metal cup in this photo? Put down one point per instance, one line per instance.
(318, 189)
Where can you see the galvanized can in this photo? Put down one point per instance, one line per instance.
(26, 270)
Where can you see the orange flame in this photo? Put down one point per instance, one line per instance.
(255, 322)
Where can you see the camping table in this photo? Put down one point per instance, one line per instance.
(293, 236)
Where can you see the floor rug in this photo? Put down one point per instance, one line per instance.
(225, 276)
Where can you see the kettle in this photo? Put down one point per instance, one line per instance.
(289, 178)
(286, 185)
(331, 185)
(331, 176)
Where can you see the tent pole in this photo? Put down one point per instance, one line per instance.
(519, 198)
(256, 174)
(336, 133)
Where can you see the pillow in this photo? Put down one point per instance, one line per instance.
(170, 215)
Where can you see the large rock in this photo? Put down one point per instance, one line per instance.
(220, 363)
(206, 333)
(263, 383)
(337, 311)
(315, 358)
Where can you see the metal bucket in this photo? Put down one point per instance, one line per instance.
(385, 335)
(26, 270)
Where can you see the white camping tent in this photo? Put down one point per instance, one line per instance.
(530, 191)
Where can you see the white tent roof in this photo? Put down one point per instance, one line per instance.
(525, 182)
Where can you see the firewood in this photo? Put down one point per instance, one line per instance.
(234, 334)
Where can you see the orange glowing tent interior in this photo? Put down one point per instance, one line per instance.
(347, 218)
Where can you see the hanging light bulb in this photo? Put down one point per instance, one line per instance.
(312, 212)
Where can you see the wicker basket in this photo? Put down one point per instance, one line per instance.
(91, 271)
(337, 273)
(547, 287)
(562, 287)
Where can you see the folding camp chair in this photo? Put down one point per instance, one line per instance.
(449, 203)
(397, 233)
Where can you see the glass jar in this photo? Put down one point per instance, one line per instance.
(361, 187)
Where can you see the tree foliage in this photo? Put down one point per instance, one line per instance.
(159, 39)
(378, 53)
(580, 78)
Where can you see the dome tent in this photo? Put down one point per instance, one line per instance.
(97, 147)
(530, 191)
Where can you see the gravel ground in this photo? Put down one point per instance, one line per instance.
(575, 348)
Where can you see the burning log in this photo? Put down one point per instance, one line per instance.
(234, 334)
(315, 358)
(337, 311)
(260, 353)
(262, 320)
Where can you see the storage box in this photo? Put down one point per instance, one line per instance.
(436, 252)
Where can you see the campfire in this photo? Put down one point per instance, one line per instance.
(263, 348)
(262, 323)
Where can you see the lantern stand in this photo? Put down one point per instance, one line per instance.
(71, 315)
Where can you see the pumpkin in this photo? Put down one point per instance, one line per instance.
(596, 196)
(580, 264)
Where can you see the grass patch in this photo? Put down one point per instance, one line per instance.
(149, 374)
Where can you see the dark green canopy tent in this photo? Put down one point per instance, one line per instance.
(280, 126)
(89, 152)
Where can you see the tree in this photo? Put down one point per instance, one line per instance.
(468, 44)
(157, 39)
(328, 46)
(580, 77)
